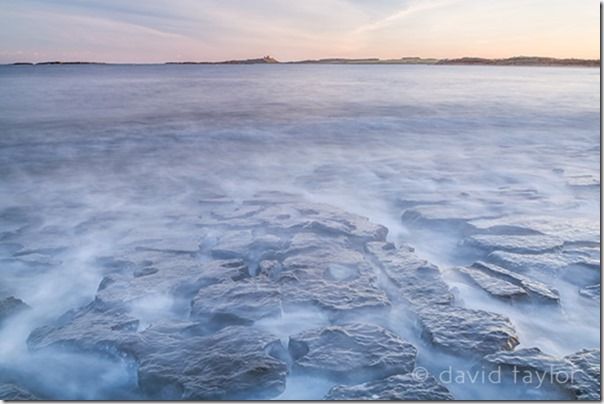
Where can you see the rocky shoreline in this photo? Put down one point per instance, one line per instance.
(264, 258)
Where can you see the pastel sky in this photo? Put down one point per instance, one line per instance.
(179, 30)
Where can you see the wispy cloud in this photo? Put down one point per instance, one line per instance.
(410, 9)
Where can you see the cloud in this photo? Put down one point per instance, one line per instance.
(410, 9)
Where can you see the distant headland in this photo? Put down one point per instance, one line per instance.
(467, 61)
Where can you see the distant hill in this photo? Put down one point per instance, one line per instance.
(56, 62)
(368, 61)
(513, 61)
(521, 61)
(263, 60)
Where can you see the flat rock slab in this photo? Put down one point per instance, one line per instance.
(231, 364)
(464, 330)
(419, 282)
(250, 299)
(521, 244)
(493, 285)
(351, 352)
(501, 282)
(175, 362)
(579, 372)
(451, 327)
(394, 388)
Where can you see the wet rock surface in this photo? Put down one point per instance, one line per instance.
(468, 330)
(12, 392)
(191, 314)
(592, 292)
(578, 372)
(397, 387)
(10, 307)
(501, 282)
(353, 352)
(445, 324)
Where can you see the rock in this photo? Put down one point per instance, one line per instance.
(586, 384)
(232, 364)
(520, 244)
(307, 275)
(586, 254)
(90, 329)
(12, 392)
(451, 327)
(500, 282)
(579, 372)
(177, 360)
(493, 285)
(419, 282)
(249, 299)
(394, 388)
(464, 330)
(351, 352)
(591, 292)
(245, 244)
(570, 229)
(11, 306)
(295, 216)
(166, 275)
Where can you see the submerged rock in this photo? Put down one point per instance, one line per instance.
(394, 388)
(451, 327)
(10, 307)
(351, 352)
(579, 372)
(177, 360)
(591, 292)
(12, 392)
(521, 244)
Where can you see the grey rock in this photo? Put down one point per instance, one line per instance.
(249, 299)
(521, 244)
(233, 363)
(570, 229)
(591, 292)
(307, 275)
(394, 388)
(496, 273)
(351, 352)
(295, 216)
(177, 360)
(579, 372)
(451, 327)
(467, 331)
(12, 392)
(586, 383)
(493, 285)
(10, 307)
(161, 274)
(419, 282)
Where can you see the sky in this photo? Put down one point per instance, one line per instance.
(148, 31)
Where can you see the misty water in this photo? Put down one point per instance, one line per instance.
(96, 157)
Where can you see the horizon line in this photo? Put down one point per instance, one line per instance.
(277, 61)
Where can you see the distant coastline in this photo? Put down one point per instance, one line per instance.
(464, 61)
